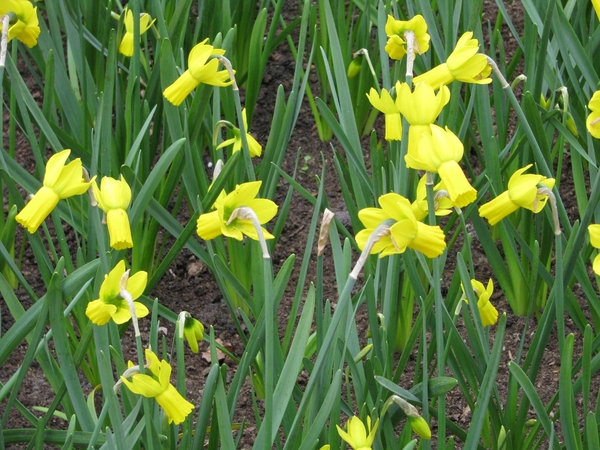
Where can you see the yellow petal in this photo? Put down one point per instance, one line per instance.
(54, 167)
(497, 209)
(594, 231)
(209, 225)
(460, 190)
(136, 284)
(430, 240)
(119, 229)
(37, 209)
(181, 88)
(143, 384)
(99, 312)
(176, 407)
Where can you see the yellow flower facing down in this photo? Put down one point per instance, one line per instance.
(439, 152)
(60, 181)
(420, 108)
(111, 305)
(157, 384)
(395, 29)
(522, 193)
(464, 64)
(201, 69)
(407, 231)
(487, 311)
(126, 46)
(254, 147)
(593, 119)
(193, 331)
(25, 26)
(443, 204)
(356, 435)
(594, 231)
(113, 198)
(384, 103)
(222, 221)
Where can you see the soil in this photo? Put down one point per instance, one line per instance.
(188, 285)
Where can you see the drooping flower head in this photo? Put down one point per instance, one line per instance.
(113, 198)
(126, 46)
(356, 435)
(193, 331)
(60, 181)
(487, 311)
(594, 231)
(223, 221)
(201, 69)
(254, 147)
(406, 231)
(393, 121)
(593, 119)
(25, 25)
(157, 384)
(111, 305)
(439, 152)
(420, 108)
(464, 64)
(522, 193)
(395, 29)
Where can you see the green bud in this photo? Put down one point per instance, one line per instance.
(355, 66)
(420, 427)
(570, 123)
(545, 103)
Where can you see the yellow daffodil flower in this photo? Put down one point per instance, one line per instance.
(111, 305)
(596, 5)
(356, 435)
(407, 231)
(222, 221)
(113, 198)
(420, 109)
(25, 26)
(126, 46)
(439, 152)
(193, 331)
(393, 121)
(395, 29)
(200, 70)
(157, 384)
(443, 204)
(254, 147)
(594, 231)
(593, 120)
(487, 311)
(60, 182)
(464, 64)
(522, 193)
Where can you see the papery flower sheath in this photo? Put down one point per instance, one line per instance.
(406, 231)
(522, 193)
(60, 181)
(593, 119)
(201, 69)
(487, 311)
(395, 29)
(356, 434)
(439, 152)
(420, 206)
(393, 121)
(193, 331)
(113, 198)
(157, 384)
(126, 46)
(254, 147)
(222, 222)
(111, 305)
(594, 231)
(26, 26)
(420, 108)
(464, 64)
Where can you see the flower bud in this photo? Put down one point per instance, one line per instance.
(355, 66)
(420, 426)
